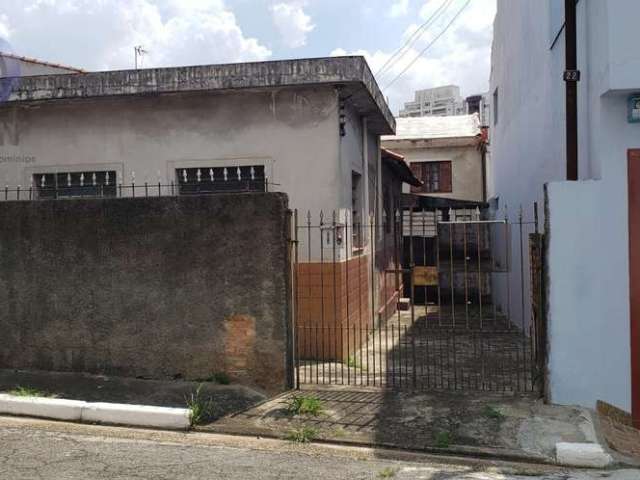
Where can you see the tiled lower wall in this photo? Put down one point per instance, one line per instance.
(333, 308)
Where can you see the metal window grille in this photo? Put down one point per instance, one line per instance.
(194, 181)
(75, 184)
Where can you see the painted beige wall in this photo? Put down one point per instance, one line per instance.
(294, 133)
(466, 166)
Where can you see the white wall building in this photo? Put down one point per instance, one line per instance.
(439, 101)
(589, 293)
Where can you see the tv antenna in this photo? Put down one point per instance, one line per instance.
(139, 52)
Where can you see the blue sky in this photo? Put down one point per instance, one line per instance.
(348, 24)
(101, 34)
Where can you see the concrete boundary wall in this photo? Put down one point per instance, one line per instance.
(589, 342)
(153, 287)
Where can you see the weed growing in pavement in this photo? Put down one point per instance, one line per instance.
(443, 439)
(302, 435)
(222, 378)
(492, 412)
(352, 362)
(339, 432)
(387, 473)
(201, 409)
(303, 405)
(30, 392)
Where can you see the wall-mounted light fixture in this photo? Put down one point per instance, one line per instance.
(343, 119)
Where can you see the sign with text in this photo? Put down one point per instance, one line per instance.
(425, 276)
(634, 108)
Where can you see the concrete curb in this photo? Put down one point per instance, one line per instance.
(457, 451)
(588, 455)
(137, 415)
(107, 413)
(70, 410)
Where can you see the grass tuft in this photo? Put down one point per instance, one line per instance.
(387, 473)
(201, 409)
(352, 362)
(492, 412)
(30, 392)
(443, 439)
(303, 405)
(221, 378)
(302, 435)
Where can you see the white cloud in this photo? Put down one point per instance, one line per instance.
(101, 34)
(461, 56)
(399, 8)
(4, 27)
(292, 23)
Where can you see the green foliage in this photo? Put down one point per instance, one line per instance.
(303, 405)
(387, 473)
(339, 432)
(443, 439)
(29, 392)
(492, 412)
(302, 435)
(222, 378)
(352, 362)
(201, 409)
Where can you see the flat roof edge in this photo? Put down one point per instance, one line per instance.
(205, 78)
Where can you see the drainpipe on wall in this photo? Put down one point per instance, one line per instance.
(571, 77)
(484, 142)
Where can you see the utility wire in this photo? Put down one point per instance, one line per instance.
(414, 36)
(397, 55)
(429, 46)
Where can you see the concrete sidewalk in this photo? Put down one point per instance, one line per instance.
(76, 397)
(478, 425)
(132, 391)
(509, 427)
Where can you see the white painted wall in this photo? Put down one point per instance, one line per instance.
(588, 231)
(589, 358)
(526, 143)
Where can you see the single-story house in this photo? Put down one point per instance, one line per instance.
(310, 128)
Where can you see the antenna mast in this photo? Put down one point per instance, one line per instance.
(139, 51)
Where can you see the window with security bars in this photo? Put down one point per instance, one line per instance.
(435, 176)
(76, 184)
(193, 181)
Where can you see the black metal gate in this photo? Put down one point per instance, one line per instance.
(437, 300)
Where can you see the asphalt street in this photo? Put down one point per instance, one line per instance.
(31, 449)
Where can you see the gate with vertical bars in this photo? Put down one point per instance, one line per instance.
(434, 300)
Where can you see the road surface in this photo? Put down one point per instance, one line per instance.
(33, 449)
